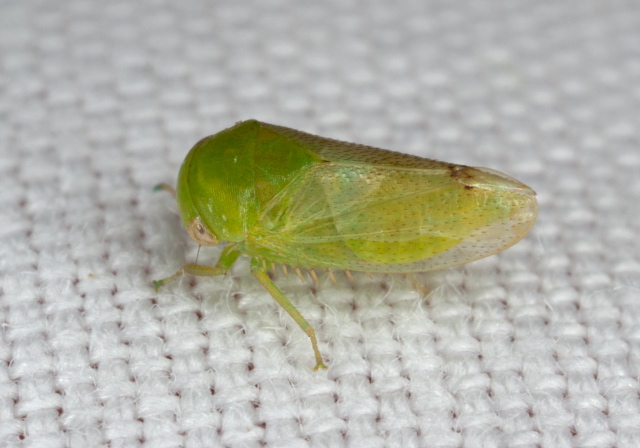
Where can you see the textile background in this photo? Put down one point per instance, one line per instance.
(538, 346)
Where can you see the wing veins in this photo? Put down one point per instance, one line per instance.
(347, 211)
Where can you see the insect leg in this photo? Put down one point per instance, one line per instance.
(227, 258)
(165, 187)
(418, 285)
(261, 275)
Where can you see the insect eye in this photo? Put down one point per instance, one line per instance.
(200, 234)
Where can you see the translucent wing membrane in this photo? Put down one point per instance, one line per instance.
(395, 219)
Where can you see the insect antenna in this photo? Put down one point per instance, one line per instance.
(198, 253)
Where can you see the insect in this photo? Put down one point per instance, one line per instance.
(283, 196)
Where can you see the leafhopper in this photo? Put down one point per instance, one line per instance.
(283, 196)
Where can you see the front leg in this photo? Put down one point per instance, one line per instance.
(227, 258)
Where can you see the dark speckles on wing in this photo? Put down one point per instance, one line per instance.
(380, 211)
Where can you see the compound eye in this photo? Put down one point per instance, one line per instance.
(200, 234)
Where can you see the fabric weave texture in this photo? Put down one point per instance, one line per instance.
(538, 346)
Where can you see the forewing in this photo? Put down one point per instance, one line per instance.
(388, 219)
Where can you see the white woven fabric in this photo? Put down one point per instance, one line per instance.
(538, 346)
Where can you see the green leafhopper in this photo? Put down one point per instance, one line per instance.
(283, 196)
